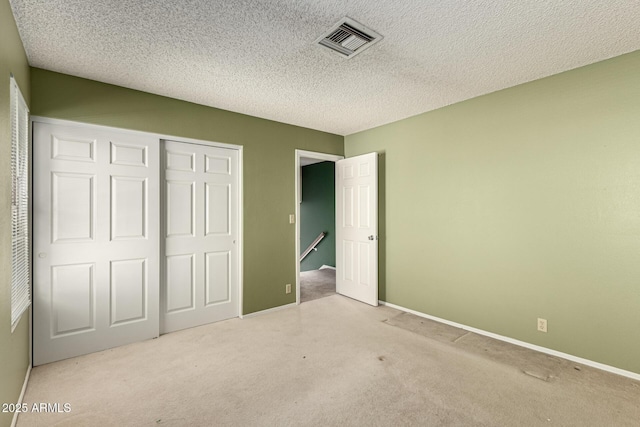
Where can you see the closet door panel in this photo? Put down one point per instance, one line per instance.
(96, 234)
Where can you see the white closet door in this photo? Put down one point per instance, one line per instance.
(96, 237)
(201, 227)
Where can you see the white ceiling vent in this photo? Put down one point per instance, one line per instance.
(349, 38)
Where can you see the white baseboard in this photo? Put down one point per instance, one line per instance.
(587, 362)
(325, 266)
(269, 310)
(14, 421)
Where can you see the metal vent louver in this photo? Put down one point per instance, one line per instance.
(349, 38)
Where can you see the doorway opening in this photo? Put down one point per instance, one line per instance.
(315, 225)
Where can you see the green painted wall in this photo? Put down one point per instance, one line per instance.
(269, 163)
(14, 347)
(317, 214)
(521, 204)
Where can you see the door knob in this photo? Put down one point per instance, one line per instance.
(371, 237)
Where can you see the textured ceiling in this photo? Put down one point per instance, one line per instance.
(259, 57)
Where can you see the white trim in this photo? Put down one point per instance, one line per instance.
(326, 267)
(269, 310)
(14, 421)
(319, 156)
(298, 188)
(240, 231)
(587, 362)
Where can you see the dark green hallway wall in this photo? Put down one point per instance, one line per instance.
(317, 214)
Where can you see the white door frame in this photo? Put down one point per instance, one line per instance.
(300, 154)
(161, 137)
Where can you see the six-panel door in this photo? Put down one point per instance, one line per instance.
(96, 238)
(357, 228)
(201, 231)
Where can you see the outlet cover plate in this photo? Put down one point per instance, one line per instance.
(542, 325)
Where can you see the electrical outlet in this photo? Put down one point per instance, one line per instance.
(292, 219)
(542, 325)
(287, 288)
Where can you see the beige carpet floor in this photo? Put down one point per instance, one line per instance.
(328, 362)
(316, 284)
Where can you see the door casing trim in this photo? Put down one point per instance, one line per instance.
(300, 154)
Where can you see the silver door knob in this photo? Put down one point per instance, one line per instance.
(371, 237)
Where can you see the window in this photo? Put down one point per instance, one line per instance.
(20, 275)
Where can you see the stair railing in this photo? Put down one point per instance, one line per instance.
(312, 246)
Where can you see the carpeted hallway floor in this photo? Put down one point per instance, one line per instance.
(316, 284)
(332, 361)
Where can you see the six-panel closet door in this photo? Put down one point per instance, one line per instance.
(201, 203)
(95, 237)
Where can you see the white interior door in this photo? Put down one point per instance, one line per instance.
(357, 228)
(96, 236)
(201, 202)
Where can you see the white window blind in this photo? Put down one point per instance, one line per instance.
(20, 271)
